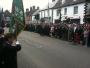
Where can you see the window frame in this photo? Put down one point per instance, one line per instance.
(58, 12)
(65, 11)
(75, 10)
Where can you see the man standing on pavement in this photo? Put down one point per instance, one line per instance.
(1, 45)
(88, 41)
(10, 51)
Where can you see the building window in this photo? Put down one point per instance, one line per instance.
(65, 11)
(75, 9)
(58, 12)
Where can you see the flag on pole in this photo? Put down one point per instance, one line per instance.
(17, 17)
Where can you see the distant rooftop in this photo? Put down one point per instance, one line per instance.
(50, 5)
(35, 13)
(63, 3)
(33, 10)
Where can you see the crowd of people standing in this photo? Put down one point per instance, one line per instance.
(78, 34)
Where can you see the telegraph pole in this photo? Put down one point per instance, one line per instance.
(60, 11)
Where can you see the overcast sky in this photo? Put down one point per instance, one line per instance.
(7, 4)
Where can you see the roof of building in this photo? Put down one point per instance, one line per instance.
(31, 12)
(68, 3)
(58, 3)
(50, 5)
(35, 13)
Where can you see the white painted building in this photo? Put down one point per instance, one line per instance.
(49, 13)
(72, 9)
(73, 12)
(88, 13)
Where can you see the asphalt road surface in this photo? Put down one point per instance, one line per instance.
(45, 52)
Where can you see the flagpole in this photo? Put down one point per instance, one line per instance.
(18, 17)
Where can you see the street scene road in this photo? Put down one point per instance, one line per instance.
(45, 52)
(52, 33)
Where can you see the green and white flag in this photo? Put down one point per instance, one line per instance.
(17, 17)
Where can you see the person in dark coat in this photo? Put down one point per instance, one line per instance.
(1, 45)
(88, 40)
(10, 52)
(46, 30)
(1, 35)
(41, 30)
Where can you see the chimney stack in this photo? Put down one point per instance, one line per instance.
(27, 10)
(33, 7)
(30, 8)
(38, 8)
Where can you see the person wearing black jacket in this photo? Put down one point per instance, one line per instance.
(88, 40)
(1, 44)
(10, 51)
(1, 36)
